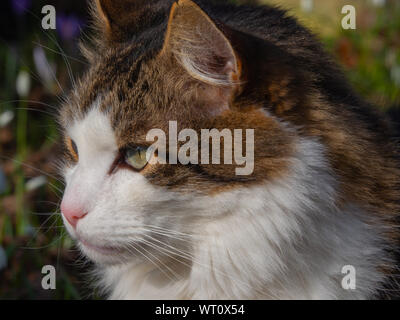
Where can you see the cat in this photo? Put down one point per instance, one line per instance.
(323, 198)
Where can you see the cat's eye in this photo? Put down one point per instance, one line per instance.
(136, 157)
(73, 148)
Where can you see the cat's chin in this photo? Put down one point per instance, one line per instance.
(105, 255)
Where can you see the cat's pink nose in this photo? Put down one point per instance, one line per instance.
(72, 213)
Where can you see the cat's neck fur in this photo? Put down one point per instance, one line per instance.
(286, 240)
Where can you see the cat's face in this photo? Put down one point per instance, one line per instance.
(125, 212)
(117, 204)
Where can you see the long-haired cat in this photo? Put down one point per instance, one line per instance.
(317, 217)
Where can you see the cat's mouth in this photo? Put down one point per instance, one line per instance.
(105, 254)
(100, 249)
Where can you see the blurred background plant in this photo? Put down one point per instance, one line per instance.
(38, 66)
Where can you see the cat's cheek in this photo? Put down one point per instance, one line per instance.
(67, 172)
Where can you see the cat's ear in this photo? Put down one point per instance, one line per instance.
(120, 20)
(201, 47)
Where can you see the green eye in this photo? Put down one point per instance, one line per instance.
(136, 157)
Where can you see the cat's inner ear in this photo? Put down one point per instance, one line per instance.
(201, 47)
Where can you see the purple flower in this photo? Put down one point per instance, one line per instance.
(21, 6)
(68, 27)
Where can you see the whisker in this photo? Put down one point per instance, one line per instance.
(151, 261)
(188, 256)
(47, 202)
(41, 227)
(168, 230)
(35, 110)
(43, 247)
(43, 213)
(32, 74)
(170, 235)
(33, 168)
(163, 264)
(60, 53)
(64, 56)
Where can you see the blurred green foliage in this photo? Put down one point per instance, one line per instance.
(371, 54)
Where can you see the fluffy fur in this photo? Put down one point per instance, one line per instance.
(325, 188)
(284, 240)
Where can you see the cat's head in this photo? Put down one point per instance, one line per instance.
(185, 67)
